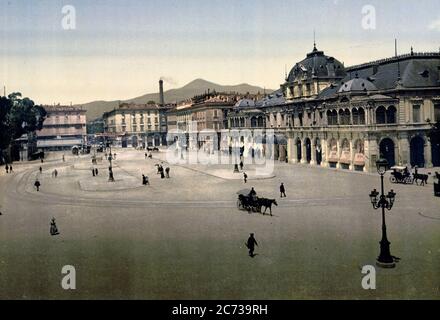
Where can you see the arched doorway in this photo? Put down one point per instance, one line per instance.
(157, 140)
(308, 150)
(124, 141)
(417, 151)
(318, 151)
(298, 150)
(386, 149)
(276, 150)
(435, 153)
(134, 141)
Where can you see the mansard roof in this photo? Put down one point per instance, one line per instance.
(415, 70)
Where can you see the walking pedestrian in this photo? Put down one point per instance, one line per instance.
(282, 190)
(64, 158)
(245, 177)
(143, 180)
(10, 169)
(41, 170)
(7, 168)
(56, 173)
(110, 174)
(241, 165)
(37, 185)
(167, 170)
(93, 172)
(96, 171)
(250, 244)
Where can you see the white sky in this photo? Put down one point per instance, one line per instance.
(120, 49)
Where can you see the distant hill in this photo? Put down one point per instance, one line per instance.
(96, 108)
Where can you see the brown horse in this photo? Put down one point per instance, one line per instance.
(266, 203)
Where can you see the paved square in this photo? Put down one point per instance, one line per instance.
(183, 237)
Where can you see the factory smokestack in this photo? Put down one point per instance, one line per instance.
(162, 100)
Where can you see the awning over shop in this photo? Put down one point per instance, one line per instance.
(359, 159)
(345, 157)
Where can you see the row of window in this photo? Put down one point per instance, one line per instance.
(256, 122)
(141, 128)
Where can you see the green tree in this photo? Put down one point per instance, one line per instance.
(18, 116)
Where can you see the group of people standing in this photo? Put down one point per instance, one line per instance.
(8, 168)
(163, 173)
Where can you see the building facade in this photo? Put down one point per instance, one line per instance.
(137, 124)
(347, 118)
(208, 112)
(64, 127)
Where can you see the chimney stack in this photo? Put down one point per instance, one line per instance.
(162, 100)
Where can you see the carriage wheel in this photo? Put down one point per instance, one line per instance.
(393, 179)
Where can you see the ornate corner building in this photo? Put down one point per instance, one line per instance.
(347, 117)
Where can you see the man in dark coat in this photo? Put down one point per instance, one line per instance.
(250, 244)
(167, 171)
(245, 177)
(282, 190)
(37, 185)
(252, 193)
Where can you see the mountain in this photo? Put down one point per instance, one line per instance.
(95, 109)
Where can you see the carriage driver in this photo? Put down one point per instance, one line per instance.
(253, 194)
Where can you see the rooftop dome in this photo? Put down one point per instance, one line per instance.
(357, 85)
(317, 65)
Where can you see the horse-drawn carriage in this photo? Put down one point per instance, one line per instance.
(252, 203)
(401, 174)
(248, 202)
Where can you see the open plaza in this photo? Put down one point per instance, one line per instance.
(183, 237)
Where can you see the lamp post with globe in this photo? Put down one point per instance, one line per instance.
(385, 259)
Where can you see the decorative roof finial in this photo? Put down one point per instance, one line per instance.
(314, 41)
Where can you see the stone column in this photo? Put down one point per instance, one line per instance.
(324, 161)
(351, 166)
(371, 154)
(313, 152)
(303, 152)
(428, 154)
(403, 150)
(338, 144)
(291, 150)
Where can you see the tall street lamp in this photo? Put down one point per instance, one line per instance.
(385, 258)
(110, 168)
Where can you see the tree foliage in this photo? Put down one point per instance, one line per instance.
(18, 116)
